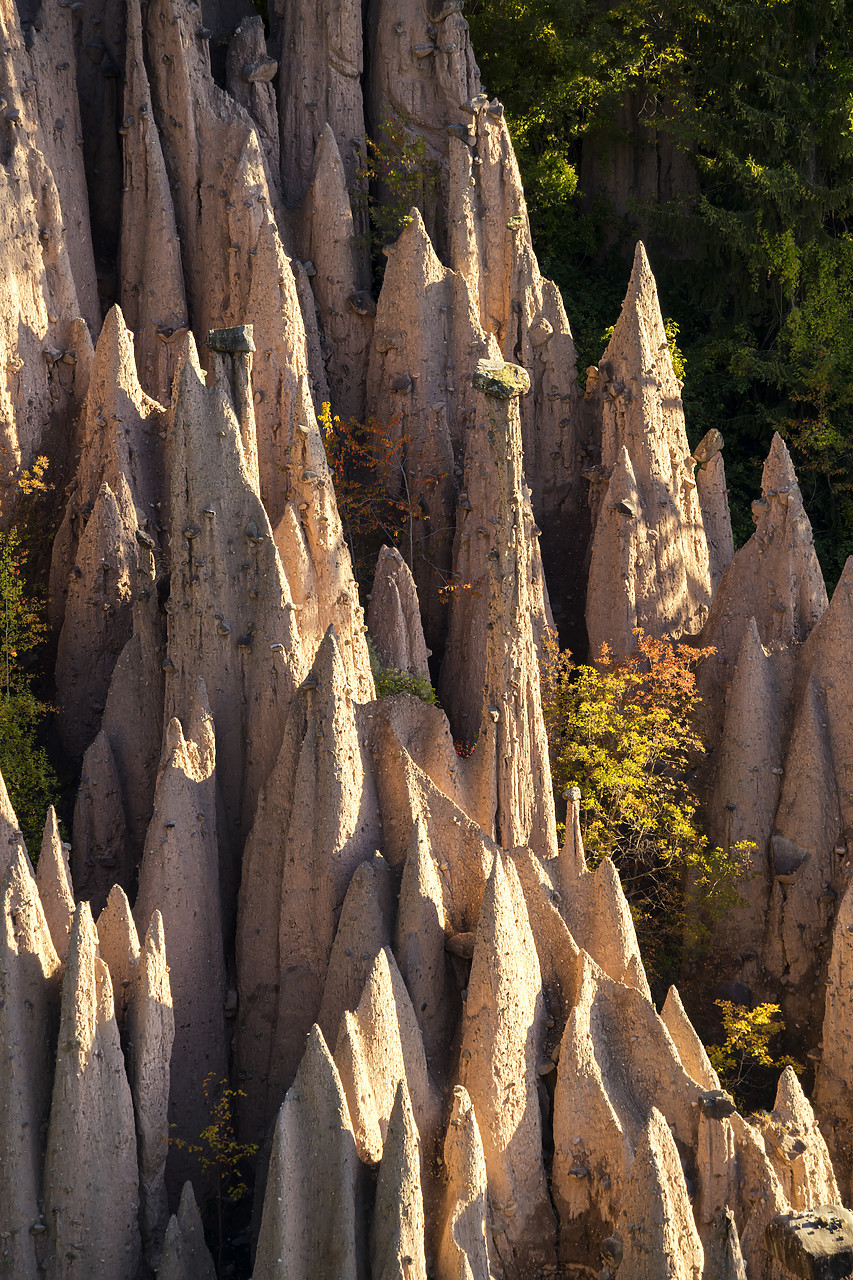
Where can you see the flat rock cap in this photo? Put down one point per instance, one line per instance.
(716, 1104)
(503, 381)
(239, 338)
(816, 1244)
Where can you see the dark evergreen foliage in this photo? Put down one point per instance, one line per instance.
(750, 238)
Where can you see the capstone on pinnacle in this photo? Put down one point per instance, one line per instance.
(503, 381)
(238, 338)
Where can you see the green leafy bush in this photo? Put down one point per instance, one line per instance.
(389, 680)
(27, 771)
(29, 778)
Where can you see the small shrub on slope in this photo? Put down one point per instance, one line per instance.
(389, 680)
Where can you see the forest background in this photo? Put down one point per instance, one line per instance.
(721, 133)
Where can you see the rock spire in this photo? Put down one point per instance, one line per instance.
(397, 1235)
(649, 561)
(831, 1096)
(296, 872)
(491, 245)
(53, 880)
(118, 944)
(809, 839)
(313, 1197)
(659, 1237)
(46, 345)
(774, 578)
(345, 307)
(319, 90)
(91, 1174)
(463, 1251)
(496, 682)
(185, 1255)
(151, 1034)
(394, 616)
(378, 1046)
(231, 619)
(29, 1005)
(11, 836)
(426, 338)
(151, 286)
(503, 1031)
(179, 878)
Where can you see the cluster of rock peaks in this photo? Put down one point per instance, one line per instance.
(431, 1018)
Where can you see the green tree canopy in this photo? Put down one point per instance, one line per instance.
(752, 245)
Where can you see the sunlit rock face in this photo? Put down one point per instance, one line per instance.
(349, 918)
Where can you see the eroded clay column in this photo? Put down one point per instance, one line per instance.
(231, 361)
(513, 708)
